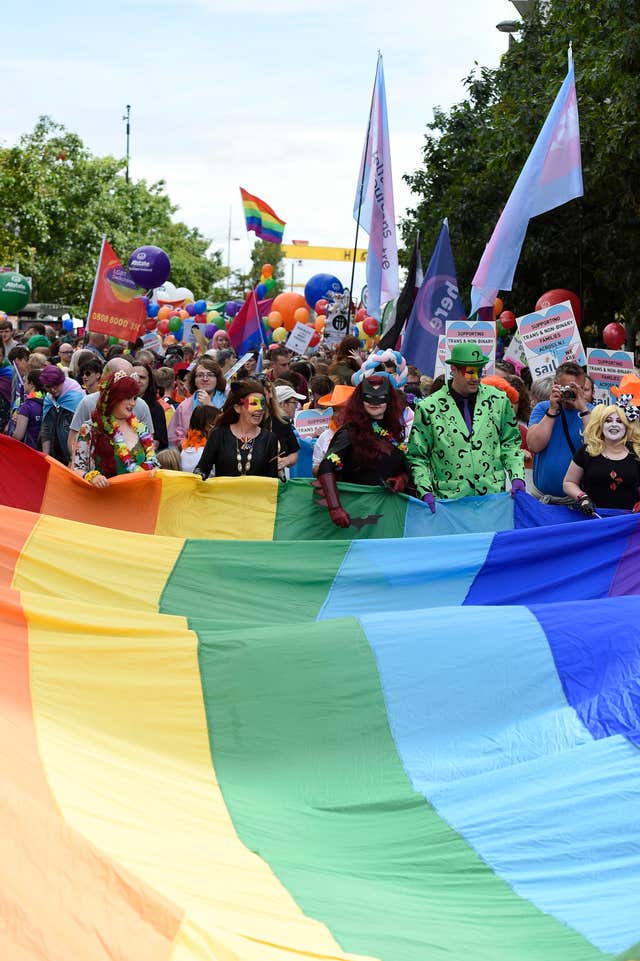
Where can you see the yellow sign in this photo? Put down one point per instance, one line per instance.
(303, 252)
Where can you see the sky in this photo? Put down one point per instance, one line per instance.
(271, 95)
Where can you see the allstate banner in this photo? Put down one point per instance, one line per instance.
(116, 308)
(438, 301)
(479, 332)
(606, 368)
(550, 337)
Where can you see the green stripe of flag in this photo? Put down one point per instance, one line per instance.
(309, 771)
(300, 517)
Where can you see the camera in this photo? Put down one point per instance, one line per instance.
(568, 393)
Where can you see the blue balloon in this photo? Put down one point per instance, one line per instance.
(153, 310)
(67, 324)
(320, 286)
(261, 291)
(191, 310)
(200, 306)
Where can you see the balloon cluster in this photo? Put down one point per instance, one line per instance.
(266, 284)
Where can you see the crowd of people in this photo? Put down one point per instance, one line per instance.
(105, 410)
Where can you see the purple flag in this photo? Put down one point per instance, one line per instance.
(373, 205)
(437, 302)
(551, 176)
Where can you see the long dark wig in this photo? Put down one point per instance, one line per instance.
(367, 445)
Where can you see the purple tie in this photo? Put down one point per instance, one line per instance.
(466, 413)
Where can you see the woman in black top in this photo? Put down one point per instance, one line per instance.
(149, 394)
(605, 472)
(369, 448)
(238, 444)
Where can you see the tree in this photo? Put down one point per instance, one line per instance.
(57, 201)
(473, 154)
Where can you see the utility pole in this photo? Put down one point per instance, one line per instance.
(127, 117)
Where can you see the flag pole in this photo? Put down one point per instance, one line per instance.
(95, 282)
(366, 150)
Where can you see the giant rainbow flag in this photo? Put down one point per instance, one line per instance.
(405, 748)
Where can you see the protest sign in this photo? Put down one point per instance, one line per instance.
(515, 350)
(550, 337)
(606, 368)
(300, 338)
(440, 367)
(241, 361)
(312, 422)
(480, 332)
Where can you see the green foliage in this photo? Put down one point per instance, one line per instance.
(57, 201)
(473, 154)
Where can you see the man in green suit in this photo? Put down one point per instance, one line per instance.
(465, 439)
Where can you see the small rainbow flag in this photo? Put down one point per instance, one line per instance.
(261, 218)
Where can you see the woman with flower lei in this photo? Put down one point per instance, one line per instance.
(114, 441)
(369, 448)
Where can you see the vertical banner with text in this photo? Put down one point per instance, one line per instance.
(117, 308)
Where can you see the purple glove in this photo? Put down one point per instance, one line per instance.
(430, 500)
(517, 485)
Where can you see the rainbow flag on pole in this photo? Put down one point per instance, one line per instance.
(260, 218)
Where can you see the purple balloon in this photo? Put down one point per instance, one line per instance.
(209, 331)
(191, 310)
(231, 308)
(149, 266)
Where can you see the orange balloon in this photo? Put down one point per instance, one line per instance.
(267, 271)
(164, 313)
(274, 319)
(321, 323)
(289, 323)
(301, 315)
(498, 307)
(184, 314)
(287, 304)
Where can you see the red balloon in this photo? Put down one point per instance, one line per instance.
(315, 340)
(150, 323)
(508, 319)
(613, 336)
(361, 315)
(556, 296)
(321, 306)
(163, 327)
(370, 326)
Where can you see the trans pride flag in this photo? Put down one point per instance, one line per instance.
(551, 176)
(373, 204)
(260, 218)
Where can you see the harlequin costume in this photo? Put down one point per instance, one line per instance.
(461, 447)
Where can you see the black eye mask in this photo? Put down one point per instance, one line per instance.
(377, 393)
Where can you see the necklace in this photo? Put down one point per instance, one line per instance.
(244, 444)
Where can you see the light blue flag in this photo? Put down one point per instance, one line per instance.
(551, 176)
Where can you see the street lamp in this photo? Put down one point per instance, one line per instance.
(127, 117)
(510, 27)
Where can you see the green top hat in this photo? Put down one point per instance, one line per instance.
(467, 355)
